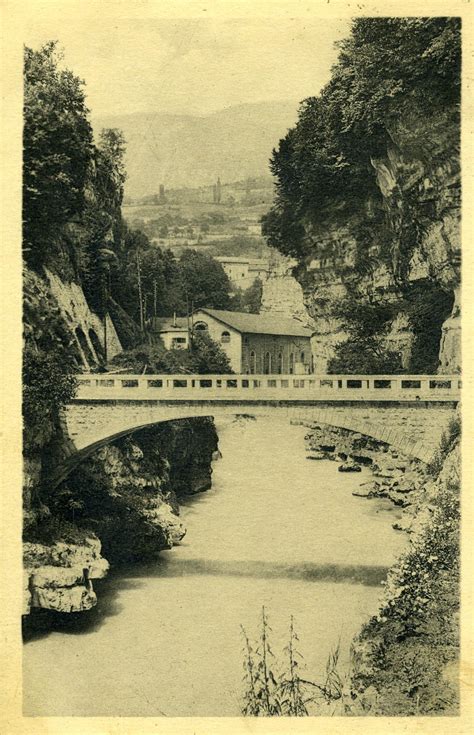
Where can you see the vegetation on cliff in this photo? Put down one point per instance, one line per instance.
(72, 221)
(326, 158)
(368, 181)
(405, 660)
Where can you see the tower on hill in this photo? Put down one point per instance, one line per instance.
(217, 191)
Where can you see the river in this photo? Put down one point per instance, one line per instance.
(274, 530)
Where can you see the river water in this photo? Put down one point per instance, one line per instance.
(274, 530)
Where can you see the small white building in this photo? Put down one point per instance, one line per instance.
(173, 331)
(242, 272)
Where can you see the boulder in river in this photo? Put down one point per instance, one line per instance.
(349, 467)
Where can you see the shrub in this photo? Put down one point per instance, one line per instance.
(48, 385)
(276, 689)
(448, 440)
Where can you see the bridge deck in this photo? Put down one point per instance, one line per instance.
(257, 388)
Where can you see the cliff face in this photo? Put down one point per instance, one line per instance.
(368, 194)
(419, 185)
(122, 503)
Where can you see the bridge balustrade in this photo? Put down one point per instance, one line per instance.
(255, 387)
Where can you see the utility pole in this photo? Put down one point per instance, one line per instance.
(187, 321)
(154, 297)
(105, 320)
(140, 297)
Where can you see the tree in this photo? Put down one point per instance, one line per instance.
(205, 357)
(204, 281)
(364, 351)
(49, 384)
(364, 356)
(384, 65)
(249, 299)
(252, 297)
(112, 146)
(57, 150)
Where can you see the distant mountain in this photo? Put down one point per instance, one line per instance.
(188, 150)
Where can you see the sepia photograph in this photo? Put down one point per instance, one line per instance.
(241, 366)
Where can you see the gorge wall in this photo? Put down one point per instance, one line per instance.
(119, 505)
(425, 296)
(368, 195)
(122, 503)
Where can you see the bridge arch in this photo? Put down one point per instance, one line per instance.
(116, 422)
(409, 413)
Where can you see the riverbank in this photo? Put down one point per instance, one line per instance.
(405, 661)
(121, 504)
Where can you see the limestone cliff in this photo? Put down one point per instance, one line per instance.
(368, 194)
(122, 502)
(413, 181)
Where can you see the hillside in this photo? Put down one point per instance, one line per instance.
(186, 150)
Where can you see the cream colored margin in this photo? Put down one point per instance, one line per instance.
(82, 14)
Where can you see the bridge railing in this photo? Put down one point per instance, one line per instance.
(265, 387)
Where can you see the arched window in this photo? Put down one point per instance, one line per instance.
(280, 363)
(200, 326)
(253, 363)
(302, 357)
(96, 344)
(225, 337)
(267, 363)
(86, 350)
(292, 363)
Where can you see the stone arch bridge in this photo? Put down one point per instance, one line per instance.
(409, 412)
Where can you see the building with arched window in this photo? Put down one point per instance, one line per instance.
(258, 343)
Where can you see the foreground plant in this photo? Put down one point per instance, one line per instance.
(274, 689)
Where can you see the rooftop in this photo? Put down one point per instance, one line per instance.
(259, 323)
(168, 324)
(243, 259)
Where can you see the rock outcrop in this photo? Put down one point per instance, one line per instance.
(59, 576)
(86, 327)
(368, 194)
(122, 502)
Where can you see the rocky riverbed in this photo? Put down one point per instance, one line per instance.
(394, 476)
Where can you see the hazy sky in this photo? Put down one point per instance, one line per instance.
(195, 65)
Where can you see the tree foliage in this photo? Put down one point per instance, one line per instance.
(167, 285)
(57, 145)
(48, 385)
(72, 188)
(205, 357)
(204, 281)
(364, 351)
(249, 299)
(326, 157)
